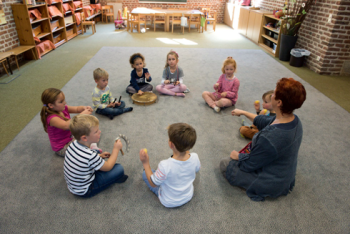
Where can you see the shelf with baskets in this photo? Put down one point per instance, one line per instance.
(36, 24)
(270, 36)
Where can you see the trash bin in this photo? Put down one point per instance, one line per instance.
(297, 57)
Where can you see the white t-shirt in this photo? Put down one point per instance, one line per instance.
(175, 180)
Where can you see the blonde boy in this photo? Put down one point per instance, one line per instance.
(85, 171)
(102, 98)
(248, 131)
(173, 180)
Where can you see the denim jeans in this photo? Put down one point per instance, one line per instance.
(154, 190)
(103, 179)
(117, 110)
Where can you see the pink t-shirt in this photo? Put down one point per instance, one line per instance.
(229, 86)
(58, 137)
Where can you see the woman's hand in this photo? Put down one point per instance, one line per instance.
(167, 82)
(216, 86)
(140, 92)
(234, 155)
(237, 112)
(105, 155)
(177, 83)
(223, 94)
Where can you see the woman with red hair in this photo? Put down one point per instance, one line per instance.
(268, 170)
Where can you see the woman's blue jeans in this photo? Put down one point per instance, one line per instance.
(117, 110)
(103, 179)
(154, 190)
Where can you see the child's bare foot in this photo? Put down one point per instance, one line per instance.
(180, 94)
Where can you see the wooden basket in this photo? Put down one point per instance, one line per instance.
(54, 25)
(57, 38)
(37, 30)
(70, 32)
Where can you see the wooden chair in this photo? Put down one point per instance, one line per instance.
(158, 18)
(137, 20)
(107, 12)
(196, 20)
(213, 20)
(85, 23)
(3, 64)
(176, 19)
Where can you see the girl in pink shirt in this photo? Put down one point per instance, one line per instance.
(226, 88)
(55, 118)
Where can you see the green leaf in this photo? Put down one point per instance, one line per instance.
(304, 12)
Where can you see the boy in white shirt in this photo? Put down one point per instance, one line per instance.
(173, 180)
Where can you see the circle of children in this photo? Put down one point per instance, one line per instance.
(88, 170)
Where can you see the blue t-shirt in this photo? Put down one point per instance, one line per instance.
(137, 81)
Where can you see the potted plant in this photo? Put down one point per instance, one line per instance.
(295, 12)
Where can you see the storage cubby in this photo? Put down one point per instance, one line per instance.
(55, 29)
(270, 35)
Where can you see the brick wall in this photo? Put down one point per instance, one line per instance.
(8, 34)
(329, 43)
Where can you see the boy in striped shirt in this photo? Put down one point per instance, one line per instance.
(85, 171)
(173, 180)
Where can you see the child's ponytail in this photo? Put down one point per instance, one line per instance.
(49, 96)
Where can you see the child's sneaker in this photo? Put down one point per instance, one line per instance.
(128, 109)
(187, 91)
(217, 109)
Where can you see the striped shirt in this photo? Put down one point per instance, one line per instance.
(80, 164)
(101, 98)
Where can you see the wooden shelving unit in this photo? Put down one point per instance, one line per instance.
(56, 30)
(267, 40)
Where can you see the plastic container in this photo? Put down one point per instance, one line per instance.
(297, 57)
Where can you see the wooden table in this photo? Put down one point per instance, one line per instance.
(6, 55)
(21, 49)
(168, 12)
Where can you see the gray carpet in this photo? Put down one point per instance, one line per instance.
(35, 199)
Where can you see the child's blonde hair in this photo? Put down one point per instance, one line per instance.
(171, 53)
(49, 96)
(100, 73)
(228, 61)
(134, 57)
(182, 135)
(268, 95)
(81, 125)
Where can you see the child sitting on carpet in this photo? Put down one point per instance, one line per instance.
(55, 118)
(172, 79)
(85, 171)
(248, 131)
(139, 76)
(226, 87)
(173, 180)
(102, 98)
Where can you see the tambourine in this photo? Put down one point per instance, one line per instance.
(127, 142)
(145, 99)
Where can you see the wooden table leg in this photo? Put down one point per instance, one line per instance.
(167, 23)
(8, 63)
(33, 53)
